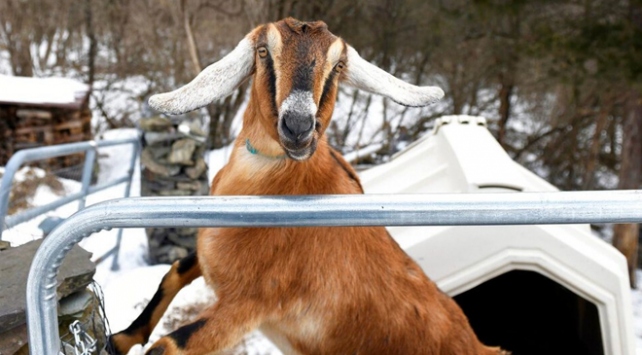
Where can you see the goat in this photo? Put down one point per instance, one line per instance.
(312, 290)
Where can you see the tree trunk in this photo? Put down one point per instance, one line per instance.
(505, 93)
(93, 46)
(625, 237)
(21, 61)
(594, 152)
(506, 80)
(191, 43)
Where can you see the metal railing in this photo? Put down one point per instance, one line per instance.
(291, 211)
(29, 155)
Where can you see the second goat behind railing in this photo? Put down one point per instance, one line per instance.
(312, 290)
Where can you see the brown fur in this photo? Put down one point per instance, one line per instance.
(313, 290)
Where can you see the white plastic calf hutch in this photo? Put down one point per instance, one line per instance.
(540, 289)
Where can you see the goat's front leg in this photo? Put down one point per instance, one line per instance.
(218, 328)
(182, 273)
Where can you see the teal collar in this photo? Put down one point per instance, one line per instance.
(251, 149)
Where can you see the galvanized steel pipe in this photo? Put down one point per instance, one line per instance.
(333, 210)
(34, 154)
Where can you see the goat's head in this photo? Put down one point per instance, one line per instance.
(297, 67)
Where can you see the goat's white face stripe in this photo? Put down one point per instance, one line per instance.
(334, 52)
(274, 39)
(333, 55)
(274, 46)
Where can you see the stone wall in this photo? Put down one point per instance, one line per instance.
(76, 302)
(173, 165)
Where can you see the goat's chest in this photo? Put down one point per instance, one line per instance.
(258, 260)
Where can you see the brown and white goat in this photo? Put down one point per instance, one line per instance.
(321, 290)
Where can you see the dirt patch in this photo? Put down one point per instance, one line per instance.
(22, 192)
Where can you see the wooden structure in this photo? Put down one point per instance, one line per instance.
(37, 112)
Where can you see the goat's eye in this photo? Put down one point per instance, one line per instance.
(263, 52)
(340, 66)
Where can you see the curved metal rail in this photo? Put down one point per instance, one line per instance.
(29, 155)
(333, 210)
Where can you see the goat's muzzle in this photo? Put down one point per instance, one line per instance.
(297, 125)
(296, 133)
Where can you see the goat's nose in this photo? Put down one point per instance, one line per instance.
(297, 126)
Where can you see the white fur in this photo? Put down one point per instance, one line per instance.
(299, 101)
(334, 52)
(274, 41)
(363, 75)
(302, 103)
(333, 56)
(275, 45)
(214, 83)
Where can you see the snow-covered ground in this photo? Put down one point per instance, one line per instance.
(135, 278)
(134, 244)
(129, 288)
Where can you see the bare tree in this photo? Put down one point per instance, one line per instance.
(626, 236)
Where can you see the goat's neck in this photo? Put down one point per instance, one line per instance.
(262, 135)
(263, 138)
(269, 172)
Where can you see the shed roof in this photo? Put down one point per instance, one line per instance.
(44, 92)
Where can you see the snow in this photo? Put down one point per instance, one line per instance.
(58, 91)
(5, 63)
(140, 284)
(135, 278)
(129, 288)
(29, 231)
(134, 243)
(216, 159)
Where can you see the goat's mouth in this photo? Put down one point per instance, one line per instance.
(302, 152)
(297, 125)
(298, 135)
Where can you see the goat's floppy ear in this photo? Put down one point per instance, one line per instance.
(213, 83)
(363, 75)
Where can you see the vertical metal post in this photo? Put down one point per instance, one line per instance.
(132, 166)
(119, 238)
(5, 186)
(36, 154)
(90, 158)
